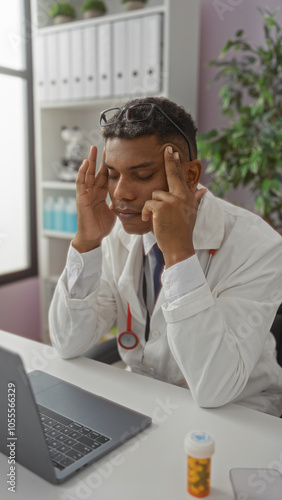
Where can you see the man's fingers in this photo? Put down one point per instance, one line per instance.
(148, 209)
(92, 156)
(162, 196)
(173, 171)
(102, 175)
(90, 174)
(80, 179)
(87, 178)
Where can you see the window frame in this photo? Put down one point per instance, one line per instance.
(26, 74)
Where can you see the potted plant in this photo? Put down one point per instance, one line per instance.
(248, 151)
(93, 8)
(134, 4)
(62, 12)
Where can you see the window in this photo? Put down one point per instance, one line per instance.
(18, 252)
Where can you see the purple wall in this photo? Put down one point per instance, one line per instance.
(19, 308)
(217, 26)
(220, 19)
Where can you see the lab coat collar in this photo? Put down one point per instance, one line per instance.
(209, 228)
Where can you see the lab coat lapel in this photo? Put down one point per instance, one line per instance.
(129, 280)
(209, 228)
(159, 302)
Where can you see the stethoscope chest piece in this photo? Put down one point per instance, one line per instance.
(128, 340)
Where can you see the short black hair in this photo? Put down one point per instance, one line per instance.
(157, 124)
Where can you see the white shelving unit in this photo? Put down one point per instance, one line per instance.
(179, 81)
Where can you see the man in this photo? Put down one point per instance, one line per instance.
(207, 329)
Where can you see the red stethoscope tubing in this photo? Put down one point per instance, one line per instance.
(128, 340)
(211, 253)
(128, 326)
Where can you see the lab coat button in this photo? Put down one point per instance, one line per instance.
(155, 334)
(78, 265)
(166, 286)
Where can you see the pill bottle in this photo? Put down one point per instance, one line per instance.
(199, 447)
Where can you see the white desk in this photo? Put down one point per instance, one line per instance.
(153, 464)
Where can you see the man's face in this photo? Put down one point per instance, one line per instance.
(136, 169)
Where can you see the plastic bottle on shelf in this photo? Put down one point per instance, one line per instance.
(59, 214)
(48, 213)
(70, 209)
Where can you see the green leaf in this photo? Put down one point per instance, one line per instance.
(270, 184)
(226, 47)
(248, 150)
(259, 204)
(208, 135)
(239, 33)
(269, 21)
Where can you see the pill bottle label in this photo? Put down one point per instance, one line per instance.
(198, 476)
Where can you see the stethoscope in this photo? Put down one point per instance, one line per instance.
(128, 339)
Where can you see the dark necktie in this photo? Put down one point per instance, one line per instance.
(158, 269)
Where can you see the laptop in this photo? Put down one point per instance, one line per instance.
(55, 428)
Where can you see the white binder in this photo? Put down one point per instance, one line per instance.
(90, 61)
(152, 53)
(76, 59)
(119, 58)
(52, 66)
(104, 60)
(40, 68)
(134, 56)
(64, 51)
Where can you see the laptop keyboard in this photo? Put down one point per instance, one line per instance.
(68, 441)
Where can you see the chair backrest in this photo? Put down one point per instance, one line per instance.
(106, 352)
(276, 329)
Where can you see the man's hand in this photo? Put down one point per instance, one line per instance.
(95, 219)
(174, 212)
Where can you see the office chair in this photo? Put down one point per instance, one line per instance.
(106, 352)
(276, 329)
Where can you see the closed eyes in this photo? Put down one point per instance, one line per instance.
(138, 177)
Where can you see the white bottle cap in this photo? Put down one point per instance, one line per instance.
(199, 444)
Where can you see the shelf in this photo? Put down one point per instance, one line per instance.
(59, 185)
(82, 104)
(108, 18)
(63, 235)
(51, 279)
(177, 80)
(94, 103)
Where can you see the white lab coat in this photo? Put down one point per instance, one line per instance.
(213, 340)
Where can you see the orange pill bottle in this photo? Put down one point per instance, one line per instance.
(199, 448)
